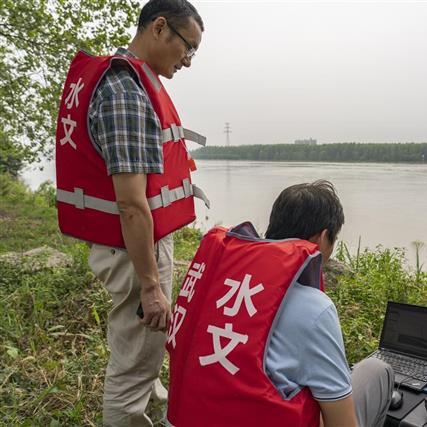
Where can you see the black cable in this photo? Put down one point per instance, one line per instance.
(402, 381)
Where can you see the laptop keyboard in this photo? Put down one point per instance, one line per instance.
(408, 366)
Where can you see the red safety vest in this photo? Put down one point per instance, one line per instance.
(86, 199)
(219, 334)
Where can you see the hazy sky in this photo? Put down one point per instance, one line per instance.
(279, 71)
(335, 71)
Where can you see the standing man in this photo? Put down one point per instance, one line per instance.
(123, 177)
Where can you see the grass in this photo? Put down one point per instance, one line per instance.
(377, 276)
(28, 219)
(53, 351)
(52, 321)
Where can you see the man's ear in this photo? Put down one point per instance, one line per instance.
(324, 237)
(319, 238)
(159, 25)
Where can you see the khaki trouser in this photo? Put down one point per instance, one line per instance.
(136, 351)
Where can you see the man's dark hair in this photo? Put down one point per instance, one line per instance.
(304, 210)
(177, 12)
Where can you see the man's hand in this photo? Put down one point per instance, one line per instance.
(157, 311)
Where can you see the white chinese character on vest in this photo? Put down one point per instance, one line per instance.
(73, 96)
(244, 293)
(194, 274)
(69, 126)
(220, 353)
(176, 323)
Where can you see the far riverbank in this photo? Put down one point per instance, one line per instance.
(342, 152)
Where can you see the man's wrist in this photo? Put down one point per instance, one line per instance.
(148, 286)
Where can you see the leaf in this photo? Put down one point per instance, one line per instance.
(55, 328)
(96, 316)
(13, 352)
(51, 390)
(37, 42)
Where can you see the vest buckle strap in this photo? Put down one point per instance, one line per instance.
(200, 194)
(162, 200)
(175, 130)
(172, 133)
(79, 198)
(188, 188)
(165, 196)
(190, 135)
(176, 133)
(76, 197)
(82, 201)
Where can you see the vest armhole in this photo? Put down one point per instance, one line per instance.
(310, 276)
(123, 63)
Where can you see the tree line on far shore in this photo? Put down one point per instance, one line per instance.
(340, 152)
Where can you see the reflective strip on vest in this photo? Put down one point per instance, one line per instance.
(164, 199)
(82, 201)
(167, 196)
(154, 81)
(175, 133)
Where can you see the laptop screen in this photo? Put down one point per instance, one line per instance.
(405, 329)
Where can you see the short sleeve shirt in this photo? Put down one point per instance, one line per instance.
(124, 126)
(306, 348)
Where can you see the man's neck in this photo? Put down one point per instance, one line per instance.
(137, 48)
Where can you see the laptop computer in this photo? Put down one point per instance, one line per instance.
(403, 344)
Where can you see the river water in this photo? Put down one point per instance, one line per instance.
(383, 203)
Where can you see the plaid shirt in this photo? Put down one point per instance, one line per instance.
(124, 126)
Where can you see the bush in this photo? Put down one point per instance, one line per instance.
(361, 297)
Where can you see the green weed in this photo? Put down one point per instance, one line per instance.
(361, 297)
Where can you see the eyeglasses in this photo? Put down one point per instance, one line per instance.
(191, 50)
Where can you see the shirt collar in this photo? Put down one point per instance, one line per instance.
(124, 52)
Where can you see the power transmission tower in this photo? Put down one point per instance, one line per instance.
(227, 131)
